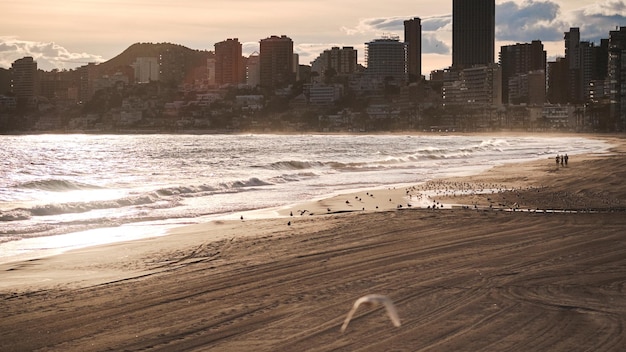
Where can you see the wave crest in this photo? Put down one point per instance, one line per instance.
(252, 182)
(295, 165)
(57, 185)
(14, 215)
(81, 207)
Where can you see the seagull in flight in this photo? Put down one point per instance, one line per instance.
(371, 300)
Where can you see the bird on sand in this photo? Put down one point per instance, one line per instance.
(371, 300)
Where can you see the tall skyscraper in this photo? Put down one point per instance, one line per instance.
(617, 77)
(473, 32)
(572, 44)
(276, 62)
(413, 40)
(386, 59)
(229, 62)
(24, 75)
(573, 59)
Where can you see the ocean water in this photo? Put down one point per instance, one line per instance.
(65, 191)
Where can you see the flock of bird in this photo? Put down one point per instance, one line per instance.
(493, 196)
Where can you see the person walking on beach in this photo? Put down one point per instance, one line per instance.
(565, 158)
(558, 159)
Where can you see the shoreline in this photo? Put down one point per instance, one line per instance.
(395, 197)
(389, 198)
(482, 278)
(37, 247)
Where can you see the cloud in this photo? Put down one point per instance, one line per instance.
(396, 24)
(248, 48)
(431, 29)
(528, 21)
(436, 23)
(432, 45)
(543, 20)
(48, 55)
(595, 21)
(607, 8)
(435, 28)
(376, 26)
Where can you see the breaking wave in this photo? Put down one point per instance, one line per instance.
(56, 185)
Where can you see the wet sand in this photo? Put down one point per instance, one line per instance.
(538, 266)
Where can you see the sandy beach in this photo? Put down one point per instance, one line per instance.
(524, 257)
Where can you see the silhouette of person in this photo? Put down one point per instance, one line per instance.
(558, 159)
(565, 157)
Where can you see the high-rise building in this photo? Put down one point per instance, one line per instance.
(473, 33)
(5, 81)
(517, 61)
(557, 73)
(146, 69)
(229, 62)
(295, 66)
(87, 76)
(276, 62)
(587, 66)
(386, 60)
(601, 55)
(253, 70)
(527, 88)
(480, 85)
(573, 58)
(172, 65)
(23, 80)
(597, 86)
(339, 61)
(413, 40)
(617, 77)
(572, 44)
(210, 70)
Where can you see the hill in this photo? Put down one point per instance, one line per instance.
(186, 57)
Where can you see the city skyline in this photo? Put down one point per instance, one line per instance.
(70, 34)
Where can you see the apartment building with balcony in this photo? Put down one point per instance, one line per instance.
(387, 60)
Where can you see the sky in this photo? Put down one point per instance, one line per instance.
(70, 33)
